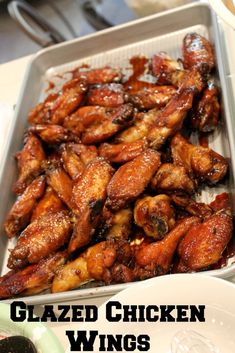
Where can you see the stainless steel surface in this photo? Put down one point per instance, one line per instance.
(114, 46)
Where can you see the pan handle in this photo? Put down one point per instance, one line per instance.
(49, 36)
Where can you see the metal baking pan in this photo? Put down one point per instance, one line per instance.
(114, 47)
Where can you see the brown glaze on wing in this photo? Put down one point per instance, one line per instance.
(38, 115)
(59, 180)
(101, 75)
(107, 95)
(93, 264)
(42, 237)
(170, 178)
(166, 70)
(152, 97)
(202, 162)
(20, 213)
(194, 208)
(33, 279)
(204, 244)
(89, 194)
(206, 113)
(53, 133)
(156, 258)
(49, 203)
(130, 179)
(122, 152)
(118, 120)
(119, 224)
(198, 53)
(29, 161)
(155, 215)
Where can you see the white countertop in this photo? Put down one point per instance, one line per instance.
(12, 74)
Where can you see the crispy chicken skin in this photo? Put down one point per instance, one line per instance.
(194, 208)
(204, 244)
(100, 75)
(107, 95)
(156, 258)
(166, 70)
(171, 178)
(155, 215)
(29, 161)
(32, 279)
(206, 113)
(93, 264)
(61, 183)
(41, 238)
(202, 162)
(75, 157)
(122, 152)
(117, 120)
(89, 194)
(38, 114)
(53, 134)
(20, 213)
(130, 179)
(152, 97)
(198, 53)
(49, 203)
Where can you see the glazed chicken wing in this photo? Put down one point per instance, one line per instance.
(205, 115)
(107, 95)
(202, 162)
(194, 208)
(49, 203)
(32, 279)
(117, 120)
(130, 179)
(170, 178)
(100, 75)
(155, 215)
(38, 115)
(42, 237)
(53, 134)
(156, 258)
(204, 244)
(93, 264)
(20, 213)
(119, 224)
(89, 194)
(29, 162)
(198, 53)
(166, 70)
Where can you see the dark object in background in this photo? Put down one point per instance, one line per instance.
(17, 344)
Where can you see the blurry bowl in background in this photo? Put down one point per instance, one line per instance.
(225, 10)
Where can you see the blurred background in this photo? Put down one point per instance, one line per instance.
(27, 26)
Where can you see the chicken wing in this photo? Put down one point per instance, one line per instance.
(204, 244)
(32, 279)
(152, 97)
(53, 134)
(205, 116)
(170, 178)
(122, 152)
(107, 95)
(49, 203)
(166, 70)
(38, 115)
(20, 213)
(119, 224)
(156, 258)
(202, 162)
(198, 53)
(194, 208)
(100, 75)
(130, 179)
(89, 194)
(42, 237)
(116, 121)
(93, 264)
(29, 162)
(155, 215)
(61, 183)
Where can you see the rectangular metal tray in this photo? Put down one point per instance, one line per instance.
(161, 32)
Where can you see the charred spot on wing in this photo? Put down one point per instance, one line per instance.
(96, 207)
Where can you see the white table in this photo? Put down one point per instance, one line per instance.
(12, 74)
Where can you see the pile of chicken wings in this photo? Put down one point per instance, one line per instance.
(108, 177)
